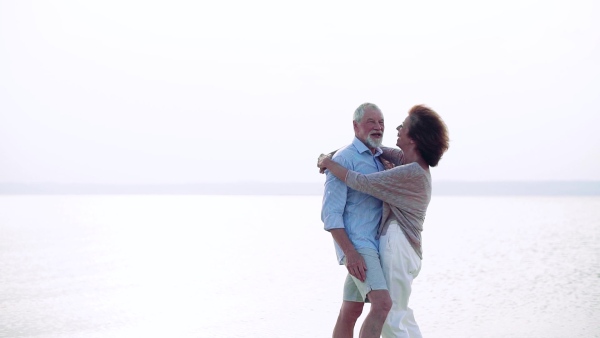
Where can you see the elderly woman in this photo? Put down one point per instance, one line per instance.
(406, 191)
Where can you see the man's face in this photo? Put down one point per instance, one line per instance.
(370, 129)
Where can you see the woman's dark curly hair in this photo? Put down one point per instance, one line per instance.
(429, 132)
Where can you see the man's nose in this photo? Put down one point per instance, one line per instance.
(378, 126)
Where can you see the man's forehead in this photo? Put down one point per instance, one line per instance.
(373, 113)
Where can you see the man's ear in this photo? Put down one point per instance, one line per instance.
(355, 125)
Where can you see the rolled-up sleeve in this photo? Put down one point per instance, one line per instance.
(334, 199)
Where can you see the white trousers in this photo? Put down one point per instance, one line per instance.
(401, 265)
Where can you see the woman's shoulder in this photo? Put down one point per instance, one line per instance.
(410, 171)
(411, 167)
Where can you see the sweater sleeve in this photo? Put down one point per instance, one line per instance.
(394, 155)
(389, 186)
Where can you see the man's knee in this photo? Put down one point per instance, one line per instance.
(351, 310)
(380, 301)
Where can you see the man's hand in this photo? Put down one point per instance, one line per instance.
(355, 263)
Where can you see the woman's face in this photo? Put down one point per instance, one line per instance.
(403, 139)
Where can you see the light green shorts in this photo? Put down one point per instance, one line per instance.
(357, 291)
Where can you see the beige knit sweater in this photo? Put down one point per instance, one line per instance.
(405, 191)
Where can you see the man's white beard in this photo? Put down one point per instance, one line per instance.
(373, 143)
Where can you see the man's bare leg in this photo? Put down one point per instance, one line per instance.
(349, 313)
(381, 303)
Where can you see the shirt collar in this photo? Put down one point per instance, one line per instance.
(361, 147)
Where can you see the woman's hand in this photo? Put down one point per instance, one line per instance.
(322, 162)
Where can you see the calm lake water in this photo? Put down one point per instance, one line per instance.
(262, 266)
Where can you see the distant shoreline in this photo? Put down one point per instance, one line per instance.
(450, 188)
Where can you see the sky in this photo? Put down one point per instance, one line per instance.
(172, 92)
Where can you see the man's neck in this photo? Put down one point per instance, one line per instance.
(373, 150)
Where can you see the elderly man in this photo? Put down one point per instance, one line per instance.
(352, 218)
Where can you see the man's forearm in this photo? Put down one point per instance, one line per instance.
(355, 263)
(343, 241)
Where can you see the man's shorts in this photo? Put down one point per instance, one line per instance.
(354, 289)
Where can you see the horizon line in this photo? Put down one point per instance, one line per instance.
(478, 188)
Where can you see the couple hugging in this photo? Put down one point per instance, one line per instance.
(374, 206)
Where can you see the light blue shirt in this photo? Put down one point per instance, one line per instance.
(346, 208)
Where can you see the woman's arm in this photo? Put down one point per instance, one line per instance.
(394, 155)
(391, 186)
(388, 186)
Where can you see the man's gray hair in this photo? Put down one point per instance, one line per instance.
(360, 111)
